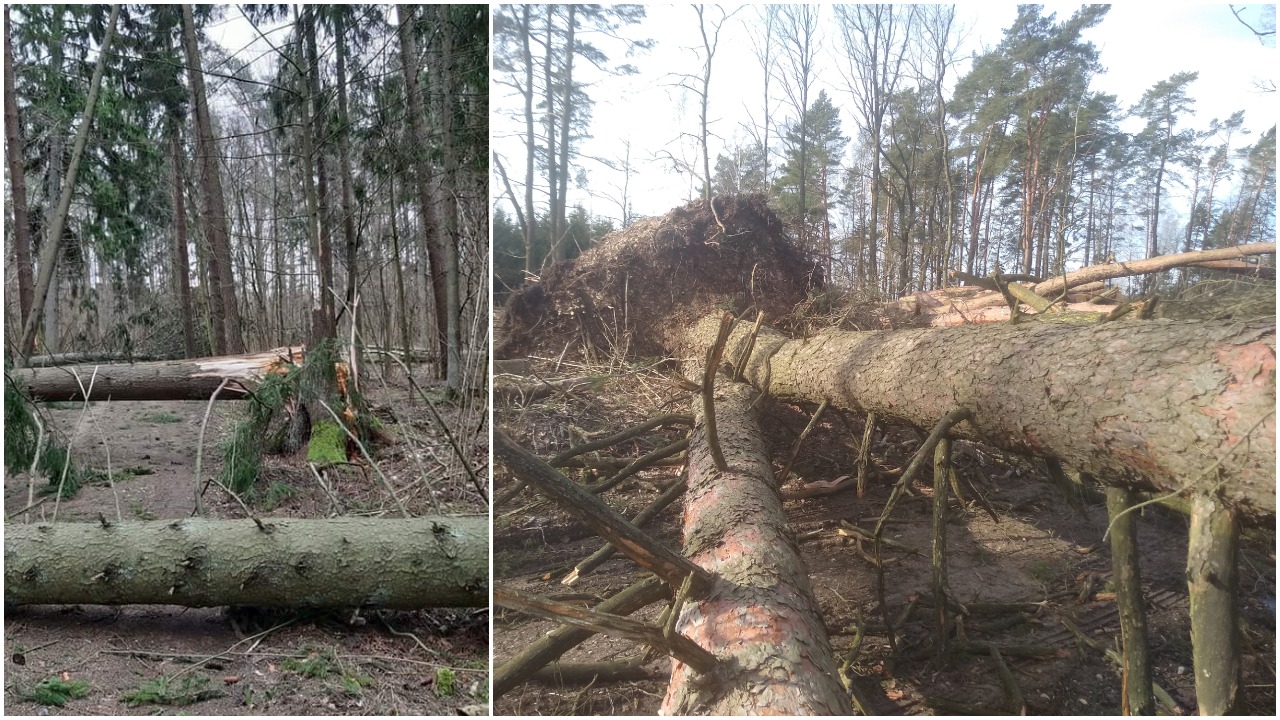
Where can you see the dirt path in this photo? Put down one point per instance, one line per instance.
(416, 663)
(1040, 551)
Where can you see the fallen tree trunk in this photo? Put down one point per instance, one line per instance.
(72, 358)
(344, 562)
(165, 380)
(762, 616)
(1162, 405)
(1239, 267)
(999, 314)
(1093, 273)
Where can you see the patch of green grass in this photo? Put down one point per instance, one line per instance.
(159, 418)
(55, 691)
(446, 682)
(270, 498)
(317, 663)
(354, 685)
(328, 444)
(163, 691)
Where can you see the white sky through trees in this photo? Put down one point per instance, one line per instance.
(1140, 44)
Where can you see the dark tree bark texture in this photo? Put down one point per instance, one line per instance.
(762, 613)
(341, 562)
(1160, 405)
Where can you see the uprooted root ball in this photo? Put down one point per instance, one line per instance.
(633, 293)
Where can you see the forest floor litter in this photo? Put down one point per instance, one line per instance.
(1041, 551)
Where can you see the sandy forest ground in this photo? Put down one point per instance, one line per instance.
(432, 662)
(1040, 551)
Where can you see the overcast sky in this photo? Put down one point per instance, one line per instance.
(1139, 46)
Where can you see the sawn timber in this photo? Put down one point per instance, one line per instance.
(1160, 405)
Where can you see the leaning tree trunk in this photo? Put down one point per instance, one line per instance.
(762, 618)
(164, 380)
(1161, 405)
(343, 562)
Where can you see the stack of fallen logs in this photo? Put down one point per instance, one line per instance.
(1179, 408)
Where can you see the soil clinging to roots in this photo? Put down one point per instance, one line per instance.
(634, 292)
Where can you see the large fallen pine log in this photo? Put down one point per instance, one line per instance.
(344, 562)
(1161, 405)
(164, 380)
(762, 618)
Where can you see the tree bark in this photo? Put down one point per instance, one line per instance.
(164, 380)
(762, 617)
(433, 561)
(452, 351)
(1213, 580)
(181, 261)
(89, 357)
(431, 232)
(553, 184)
(17, 178)
(561, 225)
(531, 144)
(1155, 405)
(324, 318)
(215, 207)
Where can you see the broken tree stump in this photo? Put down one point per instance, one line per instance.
(342, 562)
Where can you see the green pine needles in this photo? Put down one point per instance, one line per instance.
(285, 413)
(24, 441)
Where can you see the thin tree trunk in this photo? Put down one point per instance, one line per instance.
(566, 121)
(228, 337)
(402, 306)
(344, 161)
(57, 151)
(324, 324)
(431, 233)
(531, 146)
(182, 264)
(553, 184)
(17, 178)
(453, 333)
(50, 252)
